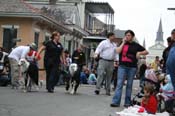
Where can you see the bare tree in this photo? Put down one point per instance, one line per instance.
(52, 2)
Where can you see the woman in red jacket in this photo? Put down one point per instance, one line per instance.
(149, 101)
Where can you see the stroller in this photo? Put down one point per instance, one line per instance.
(166, 97)
(151, 77)
(166, 103)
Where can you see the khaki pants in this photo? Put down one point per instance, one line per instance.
(105, 70)
(14, 72)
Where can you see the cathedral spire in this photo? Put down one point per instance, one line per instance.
(159, 37)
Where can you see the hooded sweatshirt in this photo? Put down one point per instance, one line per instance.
(168, 87)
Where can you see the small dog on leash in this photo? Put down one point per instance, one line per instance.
(74, 78)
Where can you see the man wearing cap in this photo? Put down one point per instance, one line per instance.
(170, 63)
(17, 54)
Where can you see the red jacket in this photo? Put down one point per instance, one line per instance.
(32, 55)
(151, 106)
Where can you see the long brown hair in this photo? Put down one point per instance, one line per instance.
(149, 89)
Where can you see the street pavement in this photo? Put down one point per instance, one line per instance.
(60, 103)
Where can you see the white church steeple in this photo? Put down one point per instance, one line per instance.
(159, 37)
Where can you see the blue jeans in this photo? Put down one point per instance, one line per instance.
(129, 72)
(170, 63)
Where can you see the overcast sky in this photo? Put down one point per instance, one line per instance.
(143, 16)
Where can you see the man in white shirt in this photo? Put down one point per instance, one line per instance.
(106, 51)
(15, 56)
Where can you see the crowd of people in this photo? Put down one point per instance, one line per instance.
(118, 63)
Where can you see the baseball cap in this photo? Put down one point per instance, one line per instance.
(33, 46)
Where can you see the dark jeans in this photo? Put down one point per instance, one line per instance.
(52, 77)
(170, 65)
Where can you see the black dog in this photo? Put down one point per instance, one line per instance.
(31, 76)
(73, 78)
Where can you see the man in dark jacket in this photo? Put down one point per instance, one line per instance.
(165, 53)
(78, 57)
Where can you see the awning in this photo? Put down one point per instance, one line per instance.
(94, 38)
(77, 30)
(99, 7)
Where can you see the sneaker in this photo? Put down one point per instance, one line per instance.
(114, 105)
(25, 91)
(50, 91)
(127, 105)
(97, 92)
(108, 94)
(37, 88)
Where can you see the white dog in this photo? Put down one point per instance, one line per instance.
(23, 67)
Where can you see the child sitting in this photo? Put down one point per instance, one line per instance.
(149, 101)
(92, 78)
(167, 93)
(167, 88)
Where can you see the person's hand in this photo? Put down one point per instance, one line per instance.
(124, 40)
(76, 58)
(138, 55)
(96, 56)
(20, 61)
(115, 64)
(64, 62)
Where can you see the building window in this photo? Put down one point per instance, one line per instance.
(9, 36)
(36, 38)
(47, 38)
(69, 46)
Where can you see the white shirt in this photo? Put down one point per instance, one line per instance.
(19, 52)
(107, 50)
